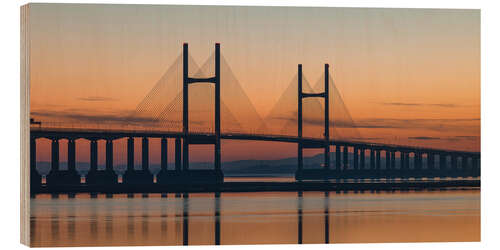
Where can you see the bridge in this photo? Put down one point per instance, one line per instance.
(401, 162)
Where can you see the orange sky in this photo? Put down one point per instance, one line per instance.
(407, 76)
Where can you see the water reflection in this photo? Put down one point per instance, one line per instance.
(249, 218)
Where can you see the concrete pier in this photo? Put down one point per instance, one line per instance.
(145, 154)
(356, 159)
(55, 155)
(130, 154)
(345, 158)
(71, 155)
(164, 154)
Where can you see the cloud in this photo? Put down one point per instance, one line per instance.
(86, 117)
(441, 105)
(96, 99)
(424, 138)
(423, 123)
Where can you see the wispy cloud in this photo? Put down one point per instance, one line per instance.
(424, 138)
(96, 99)
(405, 104)
(119, 118)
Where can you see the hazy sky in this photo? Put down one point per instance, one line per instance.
(407, 76)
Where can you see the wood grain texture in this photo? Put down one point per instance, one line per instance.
(25, 134)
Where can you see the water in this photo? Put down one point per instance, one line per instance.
(252, 218)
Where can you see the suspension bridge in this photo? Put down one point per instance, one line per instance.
(195, 105)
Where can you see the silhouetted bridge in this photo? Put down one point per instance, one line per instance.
(401, 163)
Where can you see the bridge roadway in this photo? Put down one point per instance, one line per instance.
(183, 179)
(201, 138)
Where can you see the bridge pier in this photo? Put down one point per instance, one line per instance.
(362, 163)
(393, 164)
(215, 175)
(345, 159)
(418, 165)
(372, 163)
(476, 171)
(71, 156)
(142, 176)
(377, 163)
(356, 163)
(443, 168)
(402, 167)
(52, 177)
(163, 174)
(145, 154)
(93, 156)
(130, 154)
(431, 165)
(35, 177)
(338, 161)
(59, 177)
(164, 154)
(55, 156)
(109, 155)
(407, 164)
(387, 164)
(454, 166)
(109, 172)
(178, 154)
(323, 173)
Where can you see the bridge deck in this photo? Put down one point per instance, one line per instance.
(89, 133)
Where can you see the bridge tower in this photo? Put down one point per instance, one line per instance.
(193, 139)
(302, 144)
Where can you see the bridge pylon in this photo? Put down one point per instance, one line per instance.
(302, 144)
(192, 139)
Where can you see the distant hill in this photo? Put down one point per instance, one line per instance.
(281, 167)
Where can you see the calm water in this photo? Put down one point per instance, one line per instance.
(251, 218)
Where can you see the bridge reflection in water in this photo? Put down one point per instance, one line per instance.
(250, 218)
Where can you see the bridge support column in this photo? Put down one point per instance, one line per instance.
(407, 161)
(403, 156)
(164, 154)
(33, 156)
(345, 158)
(419, 160)
(418, 164)
(362, 164)
(338, 161)
(327, 119)
(430, 161)
(454, 165)
(185, 114)
(393, 160)
(356, 160)
(377, 152)
(178, 155)
(387, 163)
(217, 159)
(372, 161)
(476, 166)
(93, 156)
(35, 177)
(109, 155)
(71, 156)
(55, 156)
(130, 154)
(443, 165)
(145, 154)
(300, 156)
